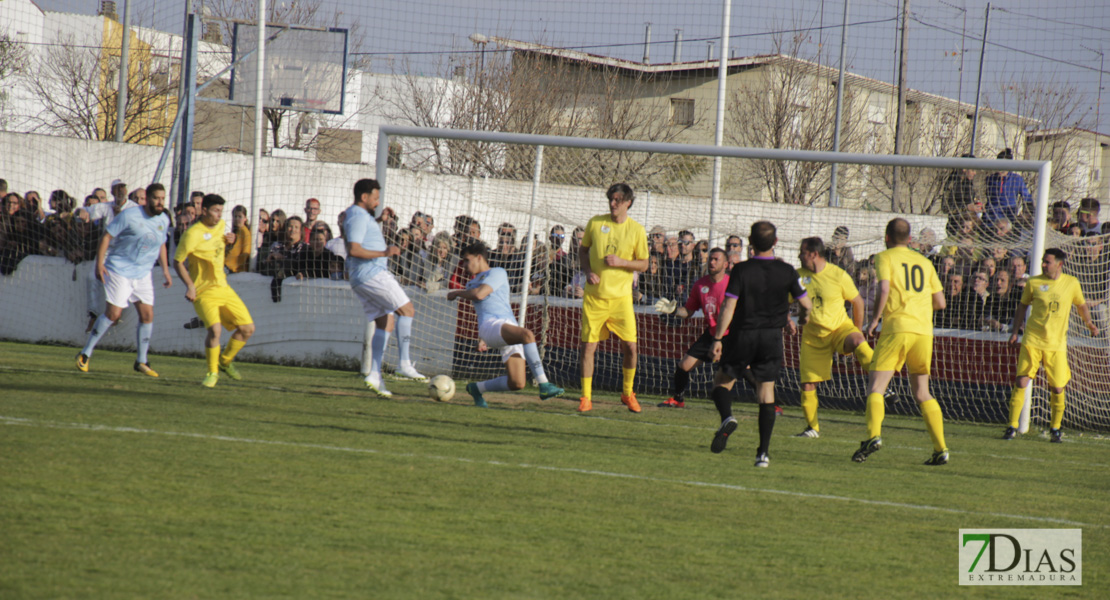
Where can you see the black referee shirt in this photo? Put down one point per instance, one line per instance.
(762, 288)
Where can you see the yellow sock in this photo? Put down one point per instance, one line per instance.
(934, 422)
(876, 410)
(1056, 403)
(233, 348)
(629, 379)
(809, 408)
(588, 387)
(212, 355)
(863, 354)
(1017, 399)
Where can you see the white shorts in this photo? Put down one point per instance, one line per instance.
(381, 295)
(121, 291)
(489, 331)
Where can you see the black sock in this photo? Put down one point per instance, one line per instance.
(681, 382)
(766, 426)
(722, 399)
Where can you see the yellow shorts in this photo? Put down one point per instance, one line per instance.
(896, 349)
(1055, 363)
(815, 364)
(222, 305)
(602, 315)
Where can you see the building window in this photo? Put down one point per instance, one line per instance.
(682, 112)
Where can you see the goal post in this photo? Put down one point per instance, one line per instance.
(537, 190)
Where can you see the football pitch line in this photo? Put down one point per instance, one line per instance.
(16, 421)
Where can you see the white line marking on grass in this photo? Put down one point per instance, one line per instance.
(705, 484)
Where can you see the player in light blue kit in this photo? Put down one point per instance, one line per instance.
(131, 244)
(373, 284)
(488, 289)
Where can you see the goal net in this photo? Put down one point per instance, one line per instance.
(521, 198)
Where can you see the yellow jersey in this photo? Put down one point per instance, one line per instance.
(604, 236)
(203, 246)
(828, 291)
(1051, 299)
(913, 281)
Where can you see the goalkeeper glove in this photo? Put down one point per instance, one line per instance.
(665, 306)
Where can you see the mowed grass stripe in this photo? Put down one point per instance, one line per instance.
(14, 421)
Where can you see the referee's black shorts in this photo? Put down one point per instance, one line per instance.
(760, 349)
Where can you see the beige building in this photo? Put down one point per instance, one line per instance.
(774, 101)
(1080, 159)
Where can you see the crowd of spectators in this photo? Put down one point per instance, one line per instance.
(982, 262)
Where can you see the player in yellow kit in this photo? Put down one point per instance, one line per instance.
(828, 329)
(216, 303)
(613, 248)
(909, 292)
(1051, 294)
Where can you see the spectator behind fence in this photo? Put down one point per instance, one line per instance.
(285, 255)
(467, 232)
(949, 316)
(839, 253)
(564, 269)
(959, 194)
(999, 313)
(16, 239)
(439, 263)
(1006, 192)
(506, 255)
(1088, 217)
(973, 304)
(675, 272)
(237, 256)
(656, 238)
(1088, 262)
(650, 288)
(317, 262)
(311, 216)
(1061, 217)
(62, 204)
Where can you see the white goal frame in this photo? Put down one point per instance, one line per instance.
(1043, 168)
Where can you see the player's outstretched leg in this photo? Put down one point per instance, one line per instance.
(405, 368)
(377, 349)
(99, 328)
(142, 363)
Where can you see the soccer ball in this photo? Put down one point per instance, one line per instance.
(441, 388)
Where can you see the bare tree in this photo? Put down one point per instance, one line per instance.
(535, 93)
(1057, 108)
(13, 60)
(76, 85)
(931, 130)
(792, 106)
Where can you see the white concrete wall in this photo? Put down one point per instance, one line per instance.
(46, 163)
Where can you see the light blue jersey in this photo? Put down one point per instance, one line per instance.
(359, 228)
(136, 240)
(496, 304)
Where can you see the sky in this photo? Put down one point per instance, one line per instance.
(1060, 45)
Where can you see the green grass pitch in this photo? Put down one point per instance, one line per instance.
(298, 483)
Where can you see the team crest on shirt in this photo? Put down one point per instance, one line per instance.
(705, 289)
(805, 281)
(604, 229)
(1044, 288)
(208, 236)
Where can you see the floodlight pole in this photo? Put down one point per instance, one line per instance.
(979, 85)
(718, 137)
(259, 124)
(834, 198)
(185, 144)
(124, 69)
